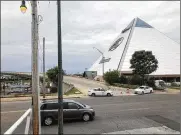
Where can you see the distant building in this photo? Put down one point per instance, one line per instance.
(139, 35)
(90, 74)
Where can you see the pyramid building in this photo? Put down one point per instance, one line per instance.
(139, 35)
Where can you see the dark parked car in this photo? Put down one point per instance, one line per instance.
(71, 110)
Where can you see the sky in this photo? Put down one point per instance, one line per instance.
(85, 24)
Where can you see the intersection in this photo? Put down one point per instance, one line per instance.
(112, 114)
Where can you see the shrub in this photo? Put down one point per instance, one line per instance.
(111, 77)
(136, 80)
(173, 84)
(151, 83)
(48, 85)
(126, 85)
(53, 90)
(123, 79)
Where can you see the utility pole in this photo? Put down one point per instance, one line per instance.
(35, 73)
(43, 67)
(60, 75)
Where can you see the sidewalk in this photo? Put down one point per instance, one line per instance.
(47, 97)
(151, 130)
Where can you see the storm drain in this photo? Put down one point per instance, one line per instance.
(167, 122)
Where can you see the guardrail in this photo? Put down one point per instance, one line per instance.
(27, 115)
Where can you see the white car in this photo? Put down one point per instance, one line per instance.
(100, 92)
(143, 90)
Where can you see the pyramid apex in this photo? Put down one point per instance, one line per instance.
(141, 23)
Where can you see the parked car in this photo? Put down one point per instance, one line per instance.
(143, 90)
(71, 110)
(100, 92)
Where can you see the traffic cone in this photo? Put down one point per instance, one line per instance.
(127, 91)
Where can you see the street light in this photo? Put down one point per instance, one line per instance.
(102, 59)
(35, 73)
(23, 7)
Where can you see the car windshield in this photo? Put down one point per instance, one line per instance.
(81, 104)
(141, 87)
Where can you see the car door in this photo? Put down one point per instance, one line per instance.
(73, 111)
(146, 89)
(49, 109)
(65, 110)
(103, 92)
(99, 92)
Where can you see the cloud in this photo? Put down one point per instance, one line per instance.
(85, 24)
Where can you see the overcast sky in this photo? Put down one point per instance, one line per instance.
(84, 25)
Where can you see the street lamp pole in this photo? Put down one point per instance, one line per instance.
(60, 75)
(43, 67)
(102, 59)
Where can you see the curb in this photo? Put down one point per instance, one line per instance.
(29, 98)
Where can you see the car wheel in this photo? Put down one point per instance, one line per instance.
(93, 94)
(108, 94)
(48, 121)
(143, 93)
(150, 91)
(86, 117)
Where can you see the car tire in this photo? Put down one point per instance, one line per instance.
(142, 93)
(108, 94)
(151, 91)
(48, 121)
(93, 94)
(86, 117)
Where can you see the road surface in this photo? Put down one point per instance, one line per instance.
(84, 85)
(112, 114)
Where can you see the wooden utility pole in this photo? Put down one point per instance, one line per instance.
(35, 73)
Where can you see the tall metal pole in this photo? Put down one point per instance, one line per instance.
(35, 73)
(102, 59)
(60, 76)
(102, 65)
(43, 67)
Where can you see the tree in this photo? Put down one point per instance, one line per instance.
(53, 74)
(123, 79)
(143, 63)
(112, 76)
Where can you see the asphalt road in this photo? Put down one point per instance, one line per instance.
(112, 114)
(84, 85)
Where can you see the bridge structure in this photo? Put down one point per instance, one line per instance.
(16, 78)
(21, 74)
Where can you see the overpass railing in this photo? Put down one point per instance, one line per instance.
(27, 115)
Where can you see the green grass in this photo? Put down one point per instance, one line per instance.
(73, 91)
(125, 85)
(175, 88)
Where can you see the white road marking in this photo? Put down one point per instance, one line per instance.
(14, 102)
(13, 111)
